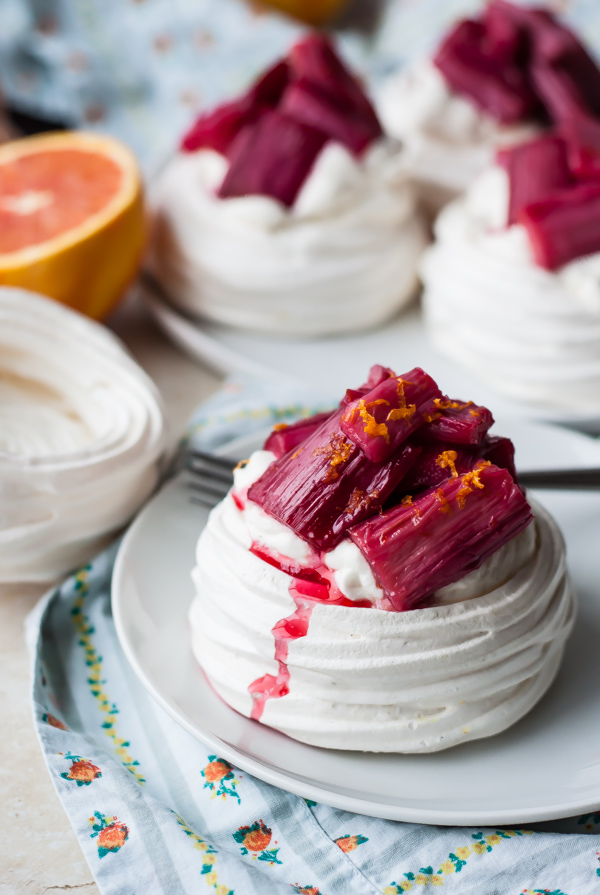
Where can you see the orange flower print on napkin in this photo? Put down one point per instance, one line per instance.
(82, 771)
(307, 890)
(220, 778)
(112, 834)
(255, 840)
(349, 843)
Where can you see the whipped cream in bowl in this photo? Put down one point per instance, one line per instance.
(82, 436)
(312, 642)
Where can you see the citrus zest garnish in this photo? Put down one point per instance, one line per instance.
(431, 417)
(360, 499)
(338, 450)
(447, 404)
(279, 427)
(405, 411)
(407, 501)
(447, 460)
(372, 427)
(241, 465)
(297, 454)
(471, 480)
(444, 505)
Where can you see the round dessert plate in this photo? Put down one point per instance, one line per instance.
(544, 767)
(401, 344)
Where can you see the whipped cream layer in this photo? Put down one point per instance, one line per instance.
(344, 257)
(361, 677)
(82, 433)
(533, 334)
(447, 140)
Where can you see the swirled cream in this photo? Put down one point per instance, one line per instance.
(82, 433)
(344, 257)
(447, 140)
(345, 673)
(533, 334)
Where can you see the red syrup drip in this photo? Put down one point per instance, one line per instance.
(310, 585)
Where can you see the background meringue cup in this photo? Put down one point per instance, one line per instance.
(372, 680)
(343, 258)
(532, 334)
(447, 140)
(82, 433)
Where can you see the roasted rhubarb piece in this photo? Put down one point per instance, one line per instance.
(436, 463)
(535, 170)
(497, 81)
(565, 226)
(328, 484)
(440, 536)
(286, 438)
(499, 451)
(218, 129)
(377, 375)
(457, 422)
(386, 416)
(582, 137)
(273, 158)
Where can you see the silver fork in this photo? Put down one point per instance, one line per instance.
(212, 477)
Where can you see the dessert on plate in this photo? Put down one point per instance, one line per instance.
(286, 210)
(512, 283)
(82, 437)
(494, 80)
(377, 580)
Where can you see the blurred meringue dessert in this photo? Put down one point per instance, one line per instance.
(286, 211)
(377, 580)
(512, 284)
(494, 80)
(82, 437)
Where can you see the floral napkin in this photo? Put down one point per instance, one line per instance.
(156, 813)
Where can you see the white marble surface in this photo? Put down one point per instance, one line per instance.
(39, 853)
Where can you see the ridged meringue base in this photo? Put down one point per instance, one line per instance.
(377, 681)
(343, 259)
(532, 334)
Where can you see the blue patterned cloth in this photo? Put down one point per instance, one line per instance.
(142, 69)
(157, 814)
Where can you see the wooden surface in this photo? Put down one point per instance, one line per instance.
(39, 853)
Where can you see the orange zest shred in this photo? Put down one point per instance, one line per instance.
(447, 460)
(297, 454)
(279, 427)
(241, 465)
(405, 411)
(372, 427)
(447, 404)
(360, 500)
(444, 505)
(407, 501)
(471, 481)
(338, 451)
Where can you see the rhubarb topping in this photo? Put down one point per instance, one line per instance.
(535, 169)
(565, 226)
(314, 491)
(385, 417)
(457, 422)
(442, 534)
(273, 133)
(287, 437)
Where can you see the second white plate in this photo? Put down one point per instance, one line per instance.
(546, 766)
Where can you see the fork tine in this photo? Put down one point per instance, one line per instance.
(211, 460)
(209, 488)
(203, 501)
(210, 475)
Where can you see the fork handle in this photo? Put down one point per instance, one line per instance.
(557, 479)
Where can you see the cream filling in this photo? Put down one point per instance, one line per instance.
(344, 257)
(534, 335)
(81, 437)
(370, 679)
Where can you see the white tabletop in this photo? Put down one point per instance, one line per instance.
(40, 853)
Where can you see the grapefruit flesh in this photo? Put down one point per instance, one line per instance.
(71, 218)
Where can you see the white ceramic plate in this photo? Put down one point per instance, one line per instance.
(546, 766)
(401, 344)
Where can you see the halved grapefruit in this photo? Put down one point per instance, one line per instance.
(72, 222)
